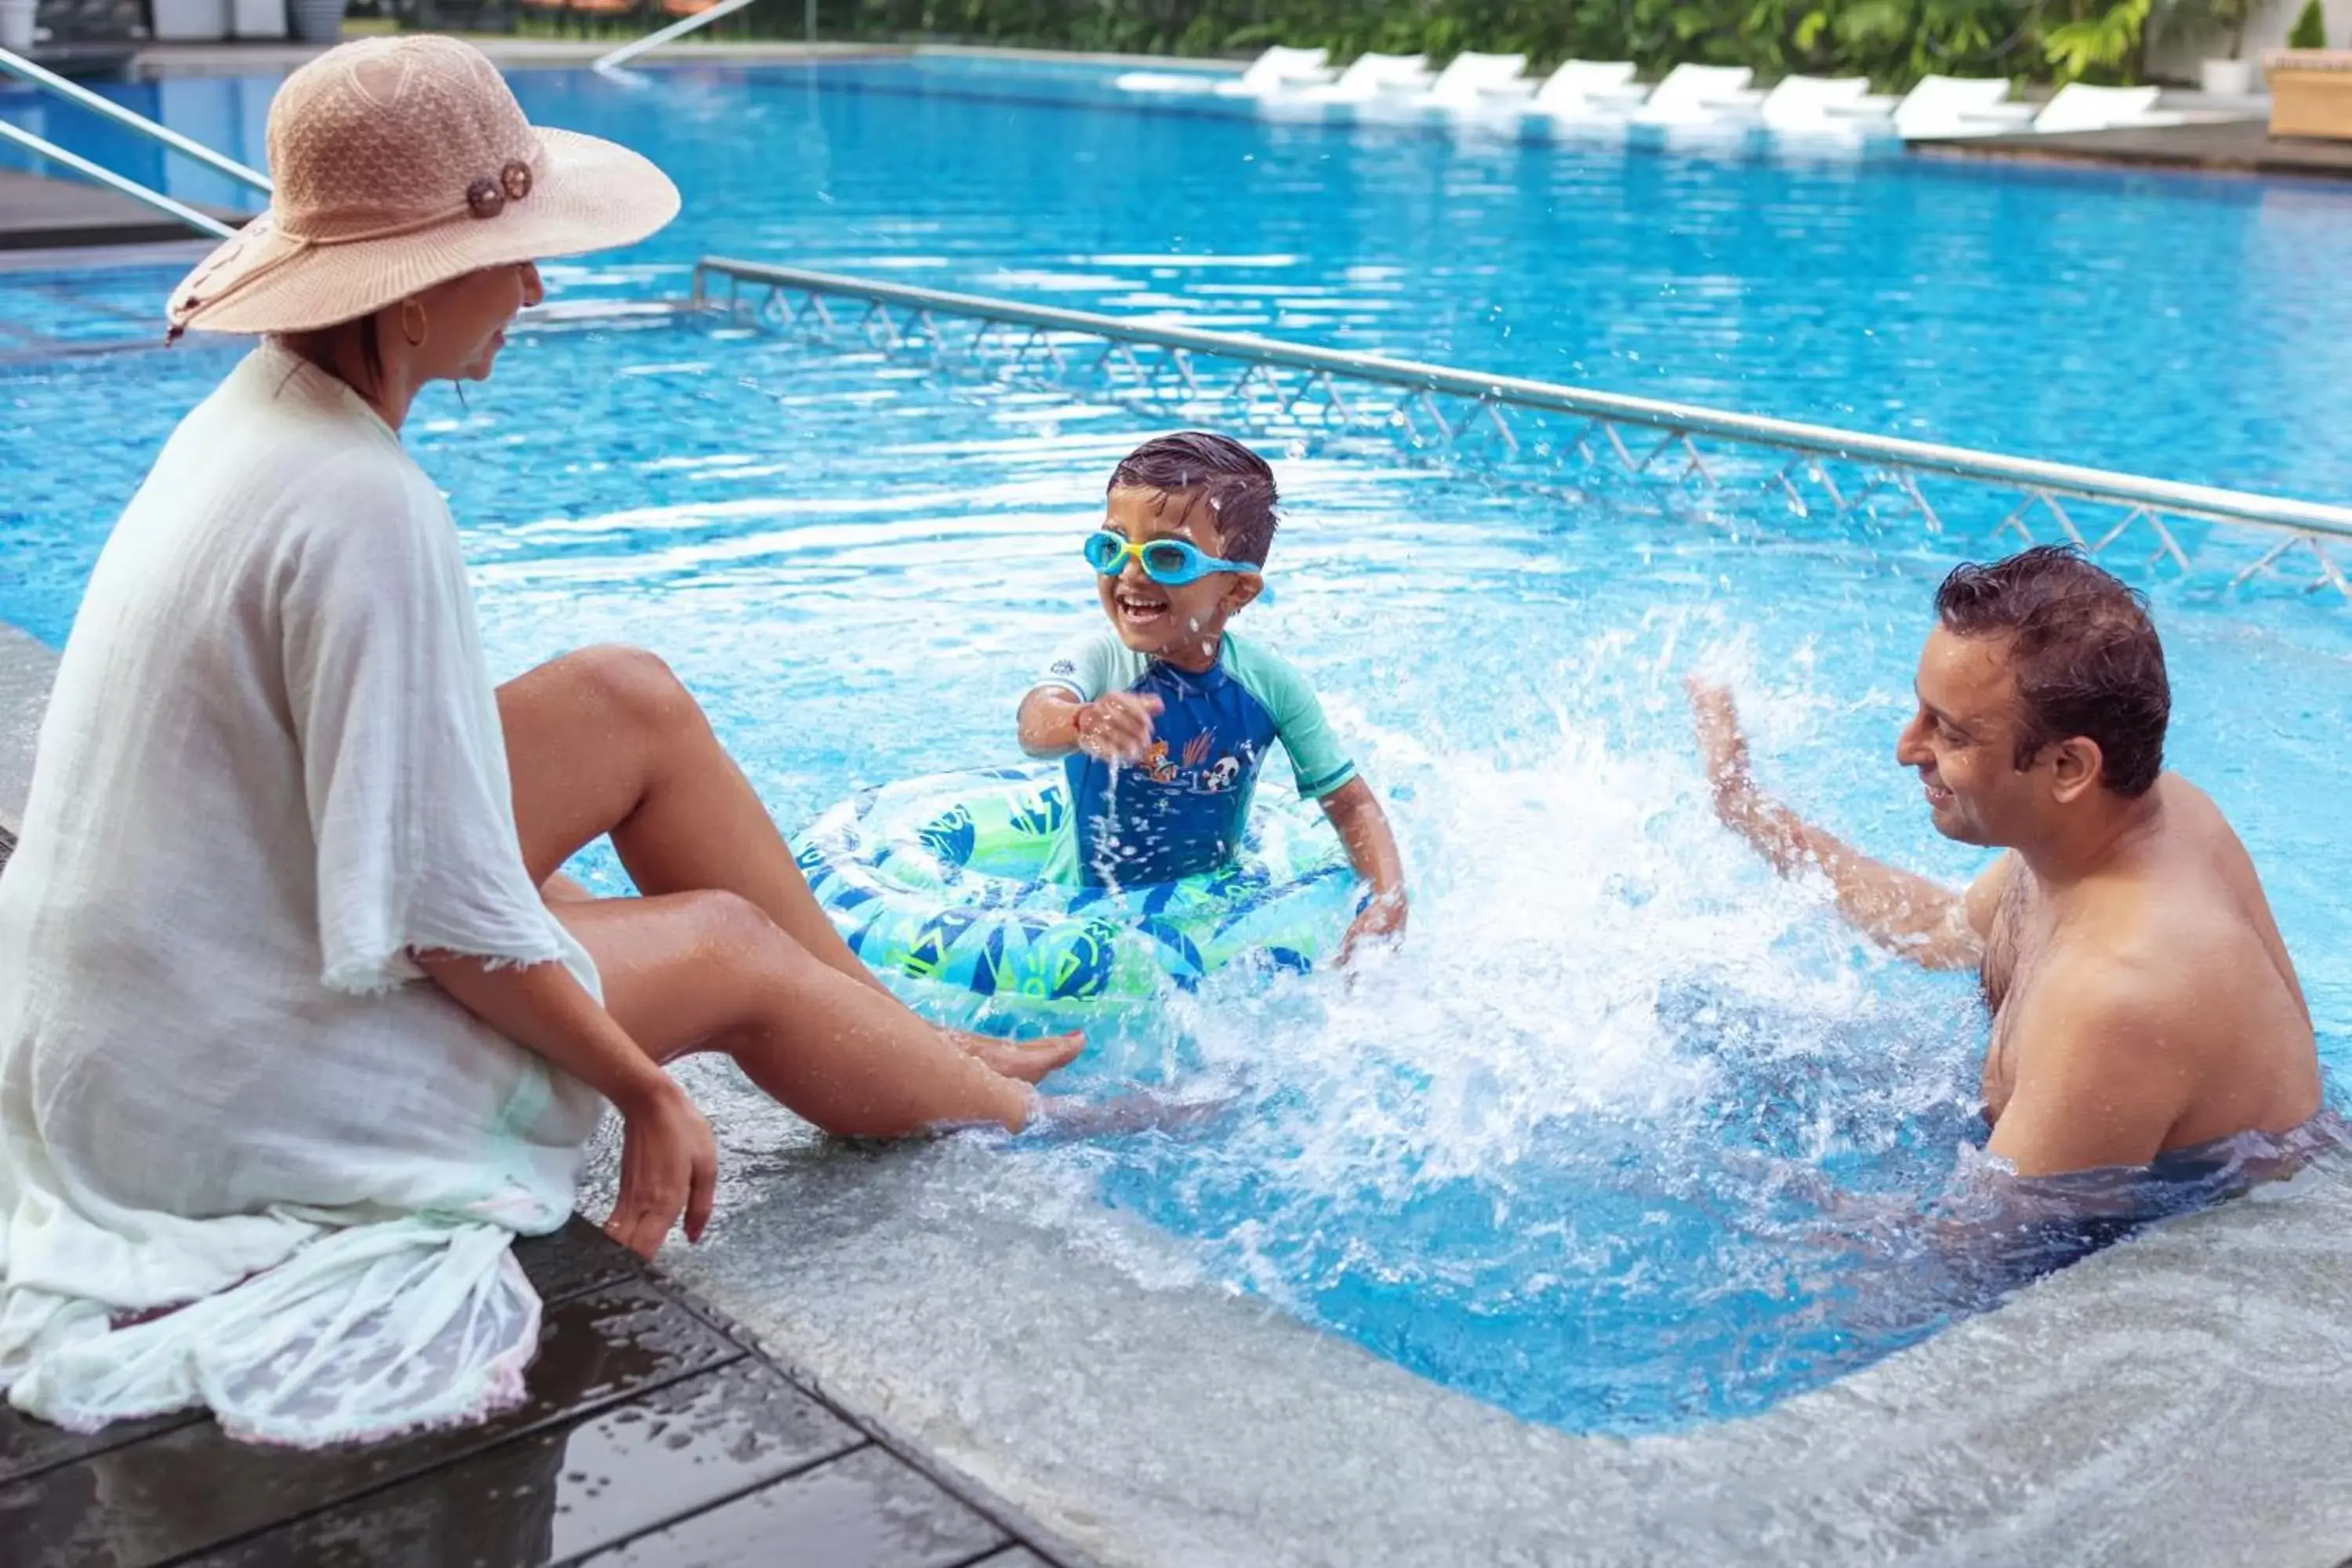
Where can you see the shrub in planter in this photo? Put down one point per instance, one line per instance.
(2310, 28)
(317, 21)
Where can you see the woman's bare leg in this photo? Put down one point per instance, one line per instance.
(607, 741)
(691, 972)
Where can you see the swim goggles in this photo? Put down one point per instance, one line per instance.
(1171, 563)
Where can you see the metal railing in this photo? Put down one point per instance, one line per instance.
(676, 29)
(48, 81)
(1533, 431)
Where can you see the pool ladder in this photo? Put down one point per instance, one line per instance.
(48, 81)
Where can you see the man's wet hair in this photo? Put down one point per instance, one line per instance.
(1203, 469)
(2087, 659)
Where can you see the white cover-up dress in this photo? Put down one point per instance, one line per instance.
(271, 770)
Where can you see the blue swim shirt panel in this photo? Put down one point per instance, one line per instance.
(1183, 810)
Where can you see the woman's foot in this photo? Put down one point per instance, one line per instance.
(1028, 1061)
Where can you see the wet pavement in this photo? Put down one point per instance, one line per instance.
(654, 1435)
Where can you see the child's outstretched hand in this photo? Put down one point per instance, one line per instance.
(1382, 919)
(1117, 727)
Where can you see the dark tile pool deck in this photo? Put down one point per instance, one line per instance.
(655, 1433)
(41, 213)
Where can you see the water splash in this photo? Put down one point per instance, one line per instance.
(1629, 1132)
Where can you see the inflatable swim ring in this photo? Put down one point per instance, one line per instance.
(938, 885)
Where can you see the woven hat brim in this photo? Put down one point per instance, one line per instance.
(588, 195)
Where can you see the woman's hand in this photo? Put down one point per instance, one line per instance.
(670, 1165)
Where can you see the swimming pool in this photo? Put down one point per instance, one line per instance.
(1562, 1154)
(2177, 325)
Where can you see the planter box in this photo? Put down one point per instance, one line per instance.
(2311, 92)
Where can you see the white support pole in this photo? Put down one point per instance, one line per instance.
(676, 29)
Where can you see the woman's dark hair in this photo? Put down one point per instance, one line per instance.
(2086, 657)
(317, 347)
(1234, 480)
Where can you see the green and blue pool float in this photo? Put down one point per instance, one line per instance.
(940, 885)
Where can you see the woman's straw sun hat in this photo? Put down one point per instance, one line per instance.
(401, 162)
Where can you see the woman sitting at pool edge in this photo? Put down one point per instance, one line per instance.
(276, 791)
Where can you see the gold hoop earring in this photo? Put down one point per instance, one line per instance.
(415, 336)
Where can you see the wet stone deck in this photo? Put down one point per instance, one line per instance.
(655, 1436)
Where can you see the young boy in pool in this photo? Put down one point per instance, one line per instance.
(1164, 715)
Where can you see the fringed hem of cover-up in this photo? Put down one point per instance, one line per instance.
(361, 1334)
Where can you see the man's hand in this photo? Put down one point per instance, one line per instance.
(670, 1165)
(1723, 747)
(1382, 919)
(1922, 920)
(1117, 727)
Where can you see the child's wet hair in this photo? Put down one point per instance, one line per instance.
(1232, 481)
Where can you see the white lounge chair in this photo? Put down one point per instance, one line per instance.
(1281, 70)
(1481, 81)
(1277, 70)
(2079, 107)
(1590, 90)
(1945, 106)
(1368, 78)
(1823, 106)
(1701, 95)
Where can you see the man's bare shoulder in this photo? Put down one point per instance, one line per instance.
(2196, 828)
(2172, 954)
(2120, 977)
(1983, 901)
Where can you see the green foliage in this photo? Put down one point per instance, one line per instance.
(2310, 28)
(1892, 42)
(2104, 43)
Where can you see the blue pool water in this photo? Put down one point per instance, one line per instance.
(2177, 325)
(1572, 1151)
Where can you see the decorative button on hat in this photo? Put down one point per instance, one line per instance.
(401, 162)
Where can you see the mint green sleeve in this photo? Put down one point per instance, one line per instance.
(1088, 666)
(1317, 758)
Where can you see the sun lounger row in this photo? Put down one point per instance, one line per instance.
(1690, 96)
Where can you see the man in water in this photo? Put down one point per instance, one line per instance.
(2142, 1000)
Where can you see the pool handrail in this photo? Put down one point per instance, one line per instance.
(1675, 419)
(48, 81)
(677, 29)
(201, 222)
